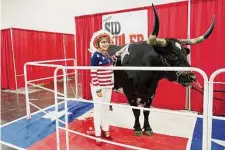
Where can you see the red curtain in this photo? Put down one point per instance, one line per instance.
(69, 42)
(30, 45)
(7, 68)
(69, 49)
(210, 54)
(173, 23)
(85, 27)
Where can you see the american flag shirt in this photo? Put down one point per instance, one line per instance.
(101, 78)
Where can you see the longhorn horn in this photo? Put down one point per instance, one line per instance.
(155, 30)
(201, 38)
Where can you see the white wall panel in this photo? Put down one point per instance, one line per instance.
(58, 15)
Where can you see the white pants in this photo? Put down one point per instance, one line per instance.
(99, 109)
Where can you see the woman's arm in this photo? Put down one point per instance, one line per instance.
(94, 78)
(118, 53)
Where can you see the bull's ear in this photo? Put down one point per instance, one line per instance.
(187, 50)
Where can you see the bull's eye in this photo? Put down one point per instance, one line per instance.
(175, 58)
(178, 45)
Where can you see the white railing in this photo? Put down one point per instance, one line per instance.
(210, 106)
(205, 136)
(44, 64)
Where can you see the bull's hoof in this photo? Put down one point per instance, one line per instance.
(138, 133)
(148, 132)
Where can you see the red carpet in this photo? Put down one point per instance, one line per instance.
(120, 135)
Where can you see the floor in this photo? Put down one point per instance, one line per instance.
(13, 104)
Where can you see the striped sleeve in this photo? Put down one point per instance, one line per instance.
(94, 78)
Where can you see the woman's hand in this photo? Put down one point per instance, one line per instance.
(99, 93)
(118, 53)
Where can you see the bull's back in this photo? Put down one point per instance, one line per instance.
(138, 54)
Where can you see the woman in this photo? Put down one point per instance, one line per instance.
(101, 80)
